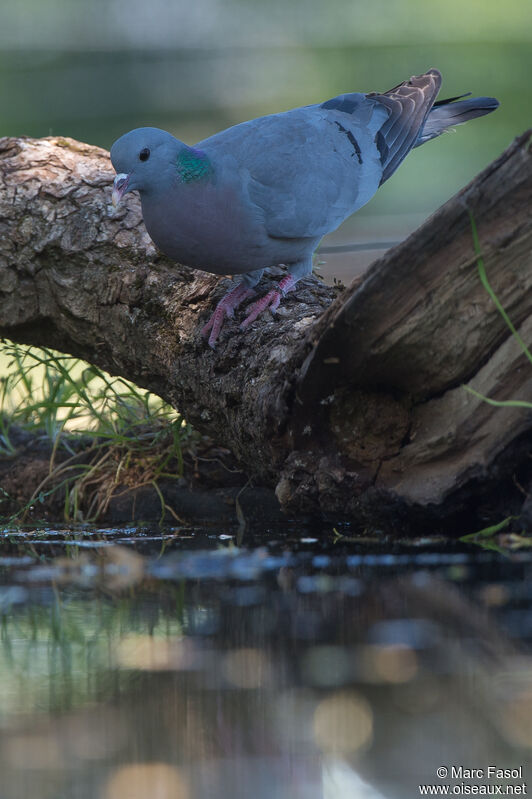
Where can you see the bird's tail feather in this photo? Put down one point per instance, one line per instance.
(447, 113)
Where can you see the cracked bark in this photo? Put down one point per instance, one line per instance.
(348, 403)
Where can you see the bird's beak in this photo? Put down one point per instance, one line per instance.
(120, 185)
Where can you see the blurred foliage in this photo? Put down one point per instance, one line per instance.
(93, 71)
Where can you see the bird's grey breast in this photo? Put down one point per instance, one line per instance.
(209, 225)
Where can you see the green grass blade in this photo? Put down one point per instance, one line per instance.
(500, 403)
(485, 282)
(488, 532)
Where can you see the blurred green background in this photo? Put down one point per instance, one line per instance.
(94, 70)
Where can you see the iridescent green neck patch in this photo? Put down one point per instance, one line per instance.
(193, 165)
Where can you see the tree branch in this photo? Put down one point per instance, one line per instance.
(343, 402)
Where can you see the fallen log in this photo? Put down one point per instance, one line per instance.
(349, 403)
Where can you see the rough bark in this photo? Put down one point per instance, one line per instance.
(343, 401)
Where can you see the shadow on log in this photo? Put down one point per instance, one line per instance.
(347, 403)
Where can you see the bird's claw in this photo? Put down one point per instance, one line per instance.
(228, 304)
(226, 307)
(271, 300)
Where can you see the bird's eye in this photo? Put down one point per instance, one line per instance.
(144, 154)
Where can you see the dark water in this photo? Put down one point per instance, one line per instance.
(137, 664)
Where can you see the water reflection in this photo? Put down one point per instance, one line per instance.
(284, 671)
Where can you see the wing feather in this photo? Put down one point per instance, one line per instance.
(308, 169)
(408, 105)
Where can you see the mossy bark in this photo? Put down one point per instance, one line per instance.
(347, 402)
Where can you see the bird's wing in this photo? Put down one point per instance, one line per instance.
(305, 170)
(310, 168)
(408, 104)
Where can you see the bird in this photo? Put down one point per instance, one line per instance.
(263, 193)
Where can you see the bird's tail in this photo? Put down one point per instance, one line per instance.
(455, 111)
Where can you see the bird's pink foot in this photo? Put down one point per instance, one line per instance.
(225, 308)
(270, 300)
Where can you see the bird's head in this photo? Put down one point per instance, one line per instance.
(144, 158)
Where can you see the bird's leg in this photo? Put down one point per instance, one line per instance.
(226, 307)
(270, 300)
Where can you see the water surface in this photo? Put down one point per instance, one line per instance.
(136, 663)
